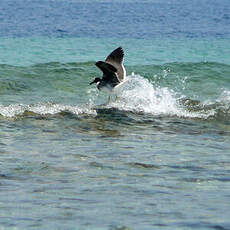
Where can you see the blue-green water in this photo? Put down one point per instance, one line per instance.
(157, 158)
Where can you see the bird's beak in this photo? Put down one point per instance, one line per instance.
(92, 82)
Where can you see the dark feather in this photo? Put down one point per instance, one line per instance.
(116, 56)
(106, 68)
(109, 74)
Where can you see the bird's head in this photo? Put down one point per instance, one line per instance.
(96, 80)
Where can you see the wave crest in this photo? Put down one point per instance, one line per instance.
(16, 110)
(140, 96)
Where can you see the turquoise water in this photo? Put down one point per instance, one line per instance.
(157, 158)
(34, 50)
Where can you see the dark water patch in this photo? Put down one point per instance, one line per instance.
(188, 167)
(98, 129)
(196, 180)
(67, 114)
(204, 224)
(121, 228)
(110, 133)
(101, 166)
(14, 86)
(144, 166)
(114, 115)
(3, 176)
(224, 179)
(14, 178)
(218, 227)
(31, 114)
(2, 144)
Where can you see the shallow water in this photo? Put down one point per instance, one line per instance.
(157, 158)
(153, 159)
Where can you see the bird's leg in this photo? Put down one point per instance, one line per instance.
(109, 99)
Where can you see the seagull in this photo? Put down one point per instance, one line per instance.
(114, 73)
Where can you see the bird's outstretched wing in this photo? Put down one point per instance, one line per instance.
(106, 68)
(116, 56)
(109, 72)
(116, 59)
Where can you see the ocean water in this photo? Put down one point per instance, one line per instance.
(157, 158)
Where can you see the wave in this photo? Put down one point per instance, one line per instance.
(139, 97)
(209, 69)
(171, 90)
(42, 109)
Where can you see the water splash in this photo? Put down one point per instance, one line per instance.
(139, 95)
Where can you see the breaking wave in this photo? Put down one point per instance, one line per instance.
(139, 96)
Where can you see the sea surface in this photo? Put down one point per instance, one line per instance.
(156, 158)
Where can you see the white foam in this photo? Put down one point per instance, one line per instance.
(43, 109)
(12, 110)
(138, 95)
(142, 96)
(224, 97)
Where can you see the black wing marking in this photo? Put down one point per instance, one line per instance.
(106, 68)
(109, 73)
(116, 56)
